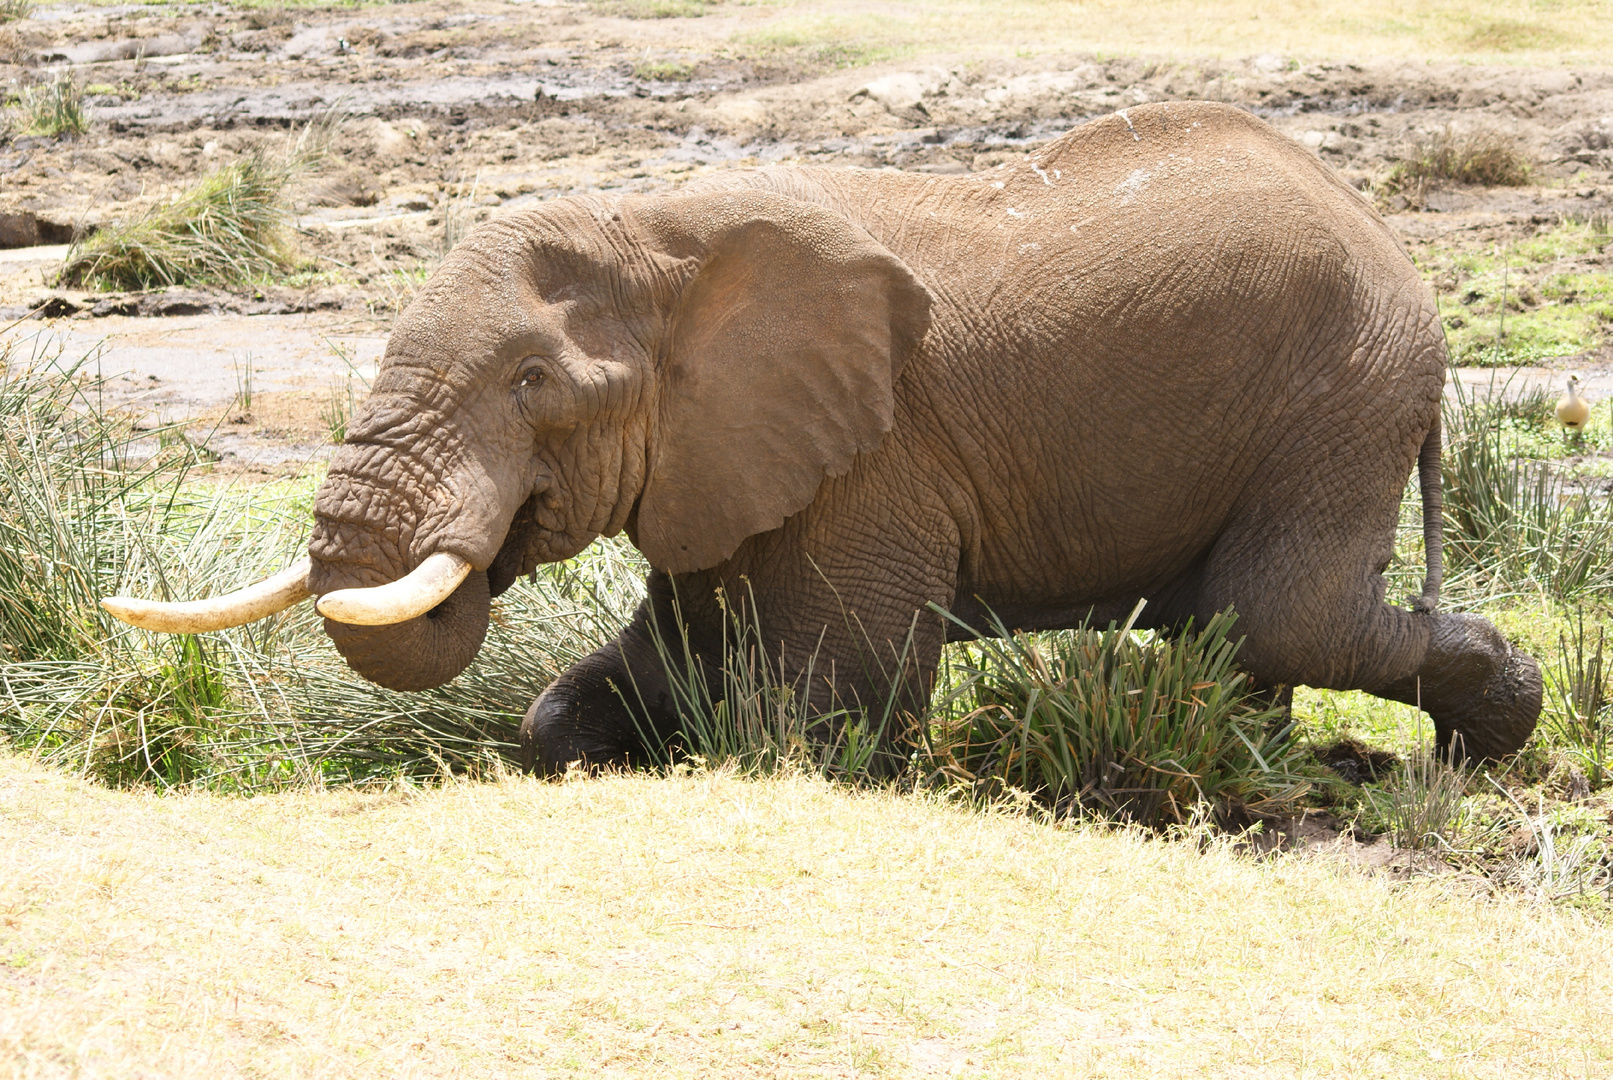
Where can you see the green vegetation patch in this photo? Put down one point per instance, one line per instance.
(1546, 296)
(52, 108)
(663, 71)
(1138, 728)
(227, 230)
(831, 41)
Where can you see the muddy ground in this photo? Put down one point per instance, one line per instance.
(455, 111)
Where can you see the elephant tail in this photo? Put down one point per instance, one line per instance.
(1428, 476)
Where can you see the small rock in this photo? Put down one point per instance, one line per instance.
(173, 302)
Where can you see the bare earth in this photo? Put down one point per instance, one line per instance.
(468, 109)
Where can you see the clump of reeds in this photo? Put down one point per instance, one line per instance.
(1422, 806)
(741, 705)
(1580, 716)
(53, 108)
(228, 229)
(12, 10)
(1108, 722)
(1512, 525)
(1483, 157)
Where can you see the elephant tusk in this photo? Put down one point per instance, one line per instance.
(426, 586)
(219, 613)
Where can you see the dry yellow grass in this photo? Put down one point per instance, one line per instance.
(705, 926)
(1531, 34)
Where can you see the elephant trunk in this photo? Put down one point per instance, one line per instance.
(423, 652)
(400, 553)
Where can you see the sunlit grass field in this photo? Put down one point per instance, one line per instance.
(1534, 34)
(701, 925)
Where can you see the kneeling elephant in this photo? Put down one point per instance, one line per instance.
(1169, 356)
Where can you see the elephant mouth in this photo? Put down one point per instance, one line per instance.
(530, 542)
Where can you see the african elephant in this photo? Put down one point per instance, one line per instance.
(1169, 356)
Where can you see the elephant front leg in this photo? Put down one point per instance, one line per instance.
(600, 712)
(616, 705)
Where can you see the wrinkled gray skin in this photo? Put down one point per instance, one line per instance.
(1170, 356)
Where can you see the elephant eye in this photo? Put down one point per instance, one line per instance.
(531, 377)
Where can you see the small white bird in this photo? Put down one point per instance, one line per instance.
(1573, 410)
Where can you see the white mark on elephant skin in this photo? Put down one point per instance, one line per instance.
(1131, 185)
(1057, 175)
(1079, 225)
(1127, 119)
(1039, 171)
(1032, 246)
(997, 183)
(1014, 213)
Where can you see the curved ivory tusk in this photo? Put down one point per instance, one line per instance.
(426, 586)
(221, 612)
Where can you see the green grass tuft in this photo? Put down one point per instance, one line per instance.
(53, 108)
(1579, 713)
(12, 10)
(1106, 722)
(228, 229)
(1423, 806)
(740, 709)
(663, 71)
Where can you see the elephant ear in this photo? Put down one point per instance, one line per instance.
(776, 369)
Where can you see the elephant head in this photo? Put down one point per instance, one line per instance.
(688, 368)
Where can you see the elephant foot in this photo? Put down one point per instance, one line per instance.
(578, 722)
(1484, 695)
(603, 712)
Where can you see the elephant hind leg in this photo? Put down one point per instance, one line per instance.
(1309, 594)
(1484, 694)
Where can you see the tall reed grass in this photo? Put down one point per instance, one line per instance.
(1108, 722)
(1513, 525)
(54, 107)
(748, 709)
(1579, 715)
(228, 229)
(90, 507)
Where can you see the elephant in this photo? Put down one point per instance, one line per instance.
(1168, 357)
